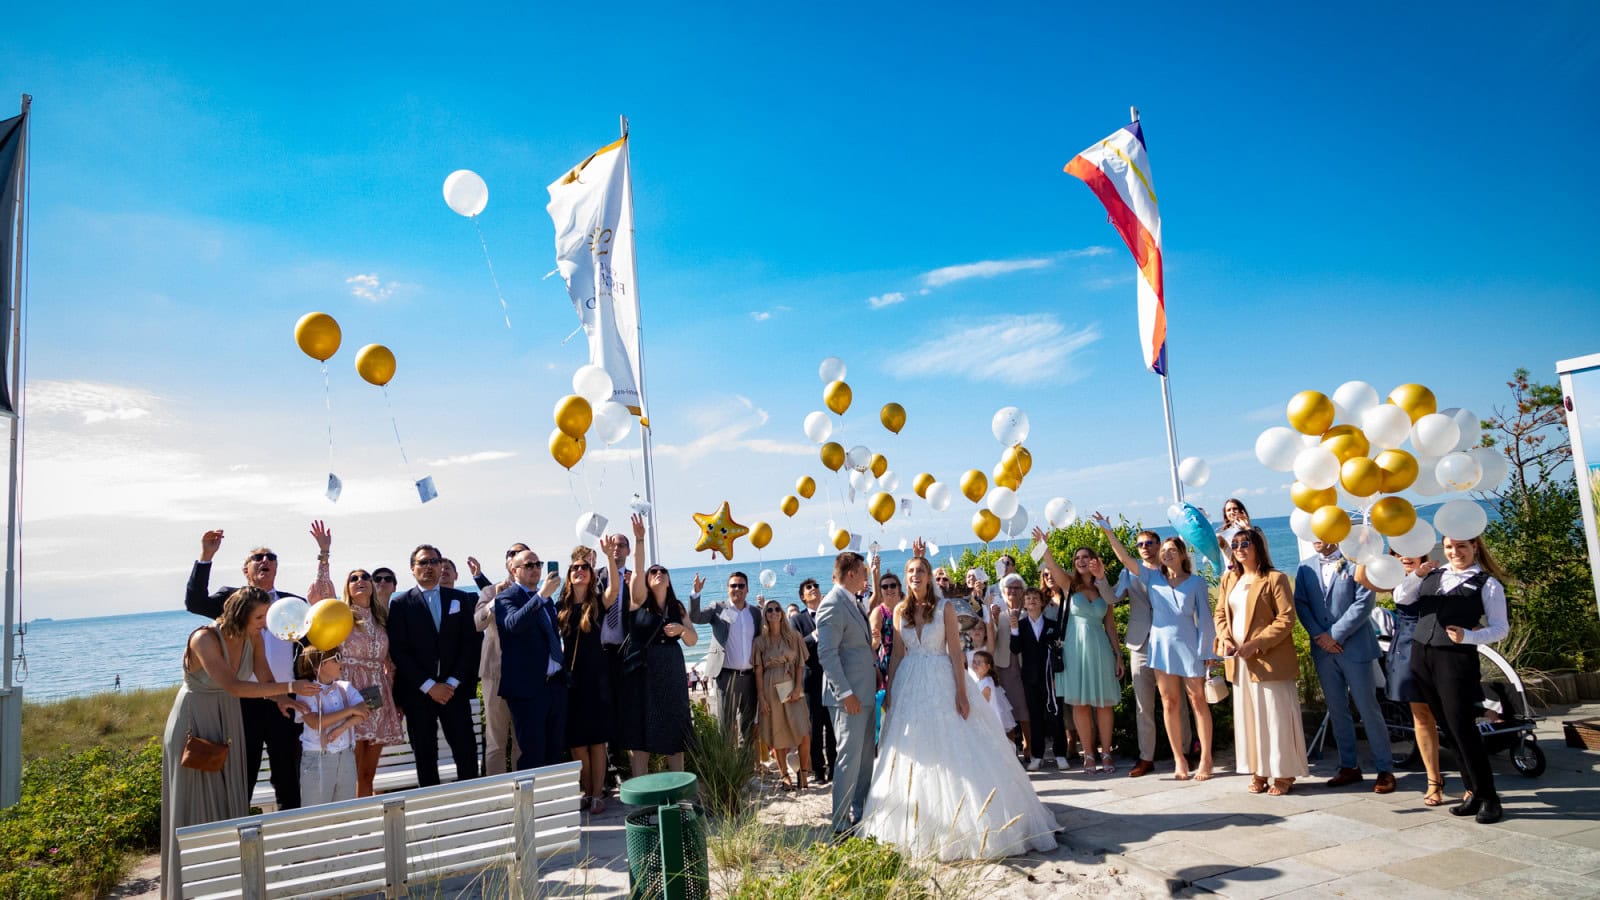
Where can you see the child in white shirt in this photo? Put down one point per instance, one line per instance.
(327, 749)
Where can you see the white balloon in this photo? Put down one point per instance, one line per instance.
(1461, 520)
(769, 579)
(1469, 425)
(1002, 501)
(465, 192)
(1194, 471)
(890, 482)
(1385, 573)
(831, 370)
(1458, 471)
(938, 496)
(1060, 512)
(904, 543)
(1010, 426)
(1317, 468)
(1300, 524)
(1362, 545)
(1419, 541)
(639, 506)
(1277, 447)
(821, 549)
(1017, 524)
(589, 528)
(1494, 465)
(858, 458)
(286, 618)
(612, 421)
(1434, 435)
(1355, 398)
(593, 384)
(861, 480)
(1386, 426)
(1427, 483)
(819, 427)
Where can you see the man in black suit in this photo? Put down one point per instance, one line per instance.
(268, 722)
(1036, 641)
(435, 648)
(532, 679)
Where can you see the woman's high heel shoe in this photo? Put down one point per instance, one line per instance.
(1434, 796)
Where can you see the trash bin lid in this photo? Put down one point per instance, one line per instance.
(659, 788)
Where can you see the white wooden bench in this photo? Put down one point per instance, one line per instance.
(391, 844)
(397, 767)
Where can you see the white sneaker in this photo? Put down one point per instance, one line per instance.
(1061, 763)
(1033, 764)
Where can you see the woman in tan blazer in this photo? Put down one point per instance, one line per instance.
(1255, 634)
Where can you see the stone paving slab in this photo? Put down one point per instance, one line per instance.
(1451, 868)
(1268, 880)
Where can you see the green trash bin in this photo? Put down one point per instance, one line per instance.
(667, 839)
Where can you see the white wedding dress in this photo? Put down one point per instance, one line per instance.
(944, 786)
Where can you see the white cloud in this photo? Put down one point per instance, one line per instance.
(726, 427)
(94, 402)
(761, 316)
(988, 268)
(1088, 251)
(371, 287)
(1011, 350)
(468, 459)
(1109, 282)
(889, 299)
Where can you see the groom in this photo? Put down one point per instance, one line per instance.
(850, 681)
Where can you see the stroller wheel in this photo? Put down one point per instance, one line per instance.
(1528, 758)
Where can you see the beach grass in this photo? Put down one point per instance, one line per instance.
(115, 720)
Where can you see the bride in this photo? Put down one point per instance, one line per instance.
(946, 783)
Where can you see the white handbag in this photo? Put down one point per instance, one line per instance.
(1216, 689)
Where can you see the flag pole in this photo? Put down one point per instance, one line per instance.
(10, 691)
(1166, 400)
(644, 406)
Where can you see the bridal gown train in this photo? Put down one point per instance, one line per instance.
(946, 786)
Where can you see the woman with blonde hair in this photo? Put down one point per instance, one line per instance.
(779, 658)
(366, 665)
(580, 609)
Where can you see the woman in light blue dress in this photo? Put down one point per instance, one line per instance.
(1180, 649)
(1091, 675)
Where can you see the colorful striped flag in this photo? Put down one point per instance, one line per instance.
(1117, 169)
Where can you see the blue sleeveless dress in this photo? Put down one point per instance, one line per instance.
(1089, 676)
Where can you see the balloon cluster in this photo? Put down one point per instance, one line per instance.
(324, 626)
(1351, 445)
(318, 336)
(589, 406)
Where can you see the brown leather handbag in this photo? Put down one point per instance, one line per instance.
(203, 755)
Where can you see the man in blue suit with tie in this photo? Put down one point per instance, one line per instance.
(435, 650)
(1337, 614)
(532, 679)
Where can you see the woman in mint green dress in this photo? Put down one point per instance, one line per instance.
(1091, 677)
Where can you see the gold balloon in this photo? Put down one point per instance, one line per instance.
(879, 465)
(565, 448)
(375, 364)
(718, 531)
(832, 455)
(1393, 516)
(1399, 470)
(837, 396)
(1330, 524)
(790, 505)
(574, 415)
(1020, 458)
(1310, 412)
(841, 539)
(985, 525)
(1346, 442)
(806, 486)
(921, 482)
(1361, 476)
(881, 507)
(318, 335)
(1311, 499)
(1415, 399)
(1007, 475)
(893, 416)
(760, 535)
(331, 621)
(974, 485)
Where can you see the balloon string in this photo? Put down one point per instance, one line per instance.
(394, 424)
(327, 400)
(506, 310)
(572, 485)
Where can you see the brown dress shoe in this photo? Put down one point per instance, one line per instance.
(1347, 776)
(1385, 784)
(1142, 767)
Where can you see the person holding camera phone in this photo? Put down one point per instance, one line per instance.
(654, 710)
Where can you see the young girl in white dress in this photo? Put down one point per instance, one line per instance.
(983, 642)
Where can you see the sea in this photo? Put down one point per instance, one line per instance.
(72, 657)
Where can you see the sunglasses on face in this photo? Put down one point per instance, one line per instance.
(360, 576)
(889, 586)
(1240, 544)
(532, 565)
(580, 567)
(738, 587)
(655, 570)
(774, 611)
(263, 557)
(383, 579)
(1146, 543)
(430, 561)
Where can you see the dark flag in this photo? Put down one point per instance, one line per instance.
(11, 136)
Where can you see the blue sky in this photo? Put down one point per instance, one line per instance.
(1368, 193)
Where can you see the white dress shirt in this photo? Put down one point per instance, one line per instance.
(741, 638)
(1494, 606)
(1329, 568)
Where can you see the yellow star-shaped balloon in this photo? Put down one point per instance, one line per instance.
(718, 531)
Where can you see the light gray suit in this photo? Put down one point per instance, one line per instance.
(1143, 677)
(849, 667)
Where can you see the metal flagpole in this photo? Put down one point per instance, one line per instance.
(11, 693)
(644, 405)
(1166, 400)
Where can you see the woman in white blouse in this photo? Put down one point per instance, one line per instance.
(1460, 606)
(1399, 684)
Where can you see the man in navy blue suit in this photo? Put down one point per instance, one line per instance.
(435, 648)
(532, 679)
(1337, 614)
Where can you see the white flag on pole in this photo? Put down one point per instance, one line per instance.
(592, 207)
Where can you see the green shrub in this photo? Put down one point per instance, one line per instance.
(724, 765)
(79, 816)
(852, 868)
(1538, 539)
(120, 720)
